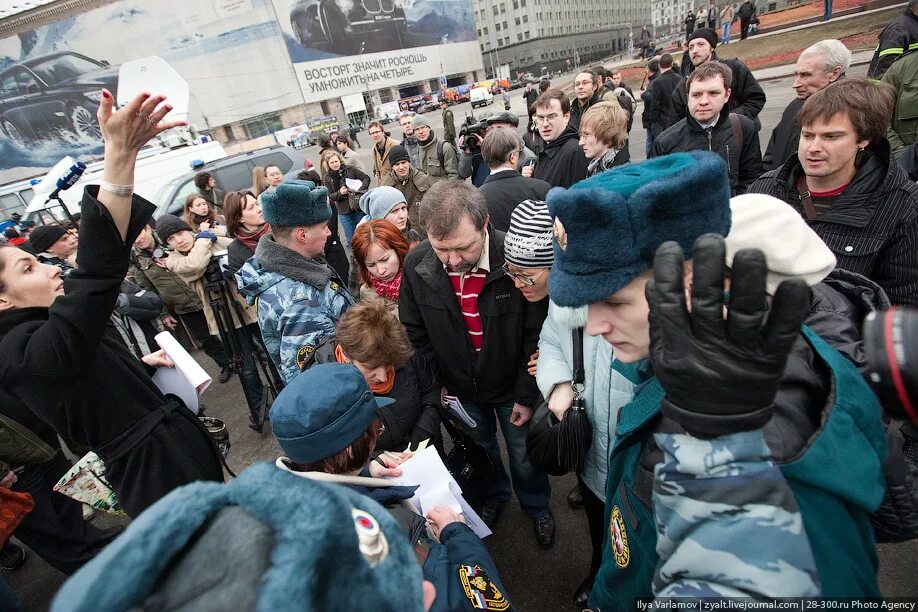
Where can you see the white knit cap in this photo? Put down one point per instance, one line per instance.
(791, 248)
(528, 243)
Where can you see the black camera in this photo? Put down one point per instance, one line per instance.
(472, 131)
(891, 344)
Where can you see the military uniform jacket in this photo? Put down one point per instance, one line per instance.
(299, 302)
(896, 39)
(835, 473)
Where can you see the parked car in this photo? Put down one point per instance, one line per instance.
(347, 27)
(231, 173)
(44, 96)
(480, 96)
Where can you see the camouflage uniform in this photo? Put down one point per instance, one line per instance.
(718, 501)
(299, 302)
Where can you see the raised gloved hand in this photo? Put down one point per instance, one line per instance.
(720, 369)
(207, 235)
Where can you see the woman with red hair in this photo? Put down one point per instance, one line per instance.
(379, 251)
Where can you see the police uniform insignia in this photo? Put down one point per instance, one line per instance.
(371, 539)
(481, 592)
(302, 355)
(619, 538)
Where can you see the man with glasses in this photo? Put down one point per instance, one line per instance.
(586, 94)
(274, 176)
(462, 312)
(561, 162)
(505, 188)
(382, 144)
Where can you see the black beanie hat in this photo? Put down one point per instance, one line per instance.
(168, 225)
(44, 236)
(397, 154)
(706, 33)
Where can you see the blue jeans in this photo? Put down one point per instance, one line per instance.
(531, 486)
(349, 223)
(648, 144)
(725, 36)
(827, 12)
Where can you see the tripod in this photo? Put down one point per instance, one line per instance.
(224, 306)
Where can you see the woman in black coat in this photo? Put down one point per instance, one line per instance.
(345, 200)
(60, 360)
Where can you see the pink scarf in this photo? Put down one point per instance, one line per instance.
(387, 289)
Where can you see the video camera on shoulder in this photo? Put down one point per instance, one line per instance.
(472, 131)
(891, 343)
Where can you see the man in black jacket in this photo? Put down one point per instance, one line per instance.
(896, 39)
(505, 188)
(530, 95)
(661, 92)
(820, 65)
(561, 161)
(477, 332)
(747, 97)
(653, 71)
(852, 194)
(745, 12)
(710, 126)
(586, 94)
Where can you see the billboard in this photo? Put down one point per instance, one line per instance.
(342, 47)
(230, 52)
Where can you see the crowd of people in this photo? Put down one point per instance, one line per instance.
(721, 292)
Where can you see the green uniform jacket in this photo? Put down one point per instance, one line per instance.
(903, 75)
(449, 125)
(176, 294)
(835, 503)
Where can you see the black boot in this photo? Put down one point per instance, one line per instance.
(582, 594)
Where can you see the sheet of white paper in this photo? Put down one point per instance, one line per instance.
(440, 496)
(421, 446)
(184, 362)
(427, 471)
(353, 184)
(171, 380)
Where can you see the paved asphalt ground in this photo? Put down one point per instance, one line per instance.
(537, 580)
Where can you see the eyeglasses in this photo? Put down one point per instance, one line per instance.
(376, 133)
(546, 118)
(526, 279)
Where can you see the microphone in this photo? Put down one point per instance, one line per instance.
(68, 180)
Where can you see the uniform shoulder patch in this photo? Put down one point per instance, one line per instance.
(302, 355)
(480, 590)
(619, 538)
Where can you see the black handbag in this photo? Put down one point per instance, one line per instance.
(470, 464)
(558, 447)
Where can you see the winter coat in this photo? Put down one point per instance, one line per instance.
(505, 190)
(903, 76)
(214, 197)
(746, 95)
(414, 417)
(429, 310)
(429, 161)
(413, 147)
(299, 302)
(647, 114)
(744, 160)
(381, 165)
(785, 138)
(67, 367)
(896, 39)
(661, 92)
(190, 268)
(178, 297)
(605, 389)
(237, 254)
(530, 95)
(823, 404)
(353, 160)
(562, 162)
(449, 125)
(873, 226)
(413, 187)
(746, 11)
(335, 180)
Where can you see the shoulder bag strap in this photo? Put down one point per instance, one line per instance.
(809, 209)
(577, 353)
(738, 136)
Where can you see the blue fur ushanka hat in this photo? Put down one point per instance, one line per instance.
(295, 203)
(608, 227)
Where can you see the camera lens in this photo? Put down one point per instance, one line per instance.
(891, 344)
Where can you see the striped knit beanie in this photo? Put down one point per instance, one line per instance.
(529, 240)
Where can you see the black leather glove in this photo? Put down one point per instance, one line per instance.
(720, 370)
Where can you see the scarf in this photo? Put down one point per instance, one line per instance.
(199, 219)
(602, 163)
(387, 289)
(250, 239)
(377, 388)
